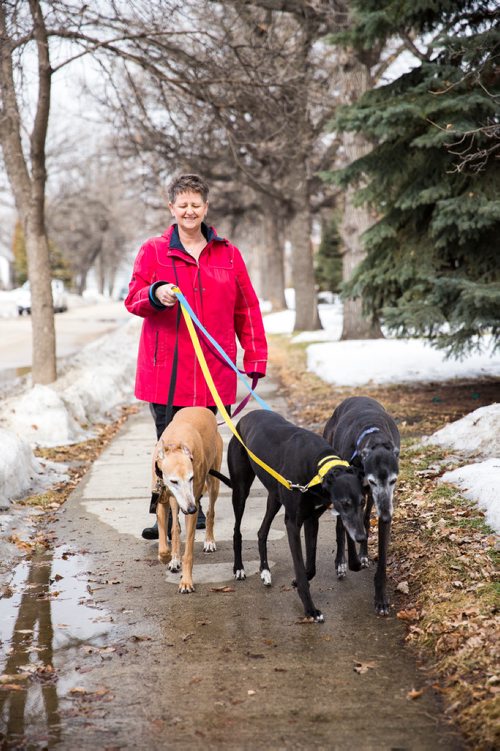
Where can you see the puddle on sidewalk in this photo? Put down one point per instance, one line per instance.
(48, 622)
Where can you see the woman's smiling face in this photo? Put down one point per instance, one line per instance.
(189, 210)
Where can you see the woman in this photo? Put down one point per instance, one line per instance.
(212, 275)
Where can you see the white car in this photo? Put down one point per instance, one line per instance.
(59, 297)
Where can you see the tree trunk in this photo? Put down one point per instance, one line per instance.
(306, 307)
(273, 261)
(43, 367)
(29, 188)
(355, 219)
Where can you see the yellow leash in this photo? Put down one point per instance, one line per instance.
(325, 464)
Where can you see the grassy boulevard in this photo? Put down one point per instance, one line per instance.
(442, 555)
(443, 562)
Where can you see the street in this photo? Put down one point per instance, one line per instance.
(74, 329)
(115, 658)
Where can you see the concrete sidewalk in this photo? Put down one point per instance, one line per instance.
(231, 666)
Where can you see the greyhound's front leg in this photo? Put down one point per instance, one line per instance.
(381, 601)
(186, 584)
(340, 564)
(303, 590)
(175, 563)
(162, 512)
(311, 525)
(363, 548)
(273, 506)
(209, 545)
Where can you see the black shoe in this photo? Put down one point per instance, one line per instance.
(151, 533)
(201, 521)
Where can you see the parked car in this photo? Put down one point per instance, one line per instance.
(59, 297)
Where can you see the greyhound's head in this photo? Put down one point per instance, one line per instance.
(344, 488)
(174, 463)
(380, 469)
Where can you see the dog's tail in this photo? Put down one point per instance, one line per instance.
(221, 477)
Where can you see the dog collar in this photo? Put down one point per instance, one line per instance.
(324, 465)
(363, 435)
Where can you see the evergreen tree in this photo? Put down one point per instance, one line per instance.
(328, 261)
(432, 177)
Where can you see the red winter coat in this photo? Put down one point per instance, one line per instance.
(218, 288)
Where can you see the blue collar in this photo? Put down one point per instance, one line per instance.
(363, 435)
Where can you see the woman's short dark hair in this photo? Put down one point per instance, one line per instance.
(187, 183)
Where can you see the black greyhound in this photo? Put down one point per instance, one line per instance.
(364, 434)
(297, 455)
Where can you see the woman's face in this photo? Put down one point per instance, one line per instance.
(189, 211)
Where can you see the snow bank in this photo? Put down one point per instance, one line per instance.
(480, 483)
(95, 383)
(477, 433)
(18, 467)
(361, 362)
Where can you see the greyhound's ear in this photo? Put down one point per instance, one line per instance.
(158, 471)
(365, 453)
(160, 453)
(188, 452)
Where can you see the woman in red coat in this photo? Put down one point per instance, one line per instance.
(212, 275)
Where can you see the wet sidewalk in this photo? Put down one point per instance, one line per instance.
(103, 652)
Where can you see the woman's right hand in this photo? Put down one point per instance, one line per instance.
(164, 294)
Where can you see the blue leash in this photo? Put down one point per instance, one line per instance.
(219, 349)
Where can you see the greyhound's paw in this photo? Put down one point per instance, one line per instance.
(382, 608)
(174, 565)
(185, 588)
(265, 575)
(209, 546)
(164, 556)
(240, 574)
(341, 570)
(315, 617)
(365, 562)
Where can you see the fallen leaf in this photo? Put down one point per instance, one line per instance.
(363, 667)
(407, 615)
(222, 589)
(414, 693)
(10, 678)
(12, 687)
(403, 587)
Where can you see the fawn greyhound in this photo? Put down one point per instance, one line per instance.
(189, 447)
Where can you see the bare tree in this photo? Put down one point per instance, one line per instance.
(266, 113)
(32, 30)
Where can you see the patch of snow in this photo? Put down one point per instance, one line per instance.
(480, 482)
(477, 433)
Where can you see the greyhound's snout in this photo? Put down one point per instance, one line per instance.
(189, 510)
